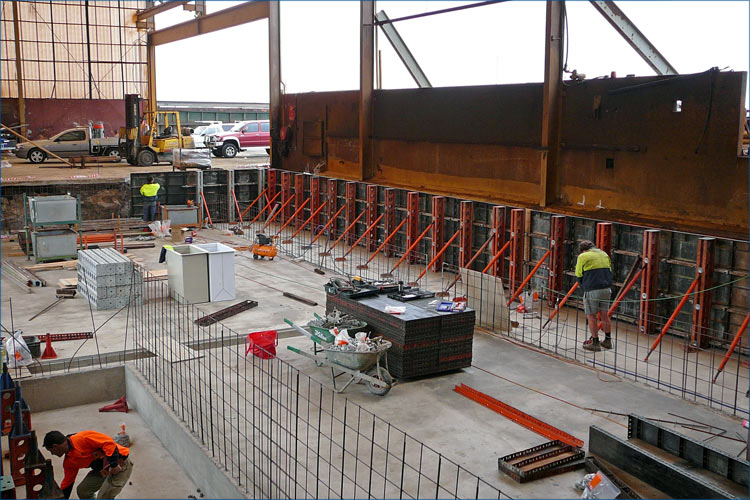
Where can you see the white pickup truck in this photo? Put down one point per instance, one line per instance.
(77, 141)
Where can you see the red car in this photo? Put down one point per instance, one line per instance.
(251, 134)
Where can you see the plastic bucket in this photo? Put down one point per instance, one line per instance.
(262, 344)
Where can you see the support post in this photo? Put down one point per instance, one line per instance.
(466, 217)
(274, 76)
(315, 200)
(372, 214)
(351, 210)
(286, 195)
(498, 239)
(557, 259)
(517, 234)
(332, 209)
(299, 197)
(412, 224)
(699, 336)
(438, 232)
(649, 281)
(604, 237)
(552, 101)
(272, 182)
(366, 82)
(390, 216)
(19, 69)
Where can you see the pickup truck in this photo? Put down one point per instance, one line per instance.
(250, 134)
(75, 141)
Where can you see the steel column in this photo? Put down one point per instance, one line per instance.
(372, 214)
(552, 102)
(332, 210)
(19, 70)
(351, 210)
(517, 234)
(315, 200)
(390, 216)
(649, 281)
(274, 77)
(299, 196)
(438, 232)
(412, 223)
(699, 335)
(366, 83)
(498, 238)
(286, 194)
(466, 217)
(557, 260)
(604, 237)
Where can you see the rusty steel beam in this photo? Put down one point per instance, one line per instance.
(372, 214)
(466, 216)
(438, 219)
(390, 216)
(286, 195)
(704, 269)
(517, 235)
(498, 238)
(350, 213)
(557, 259)
(410, 62)
(604, 237)
(315, 201)
(649, 281)
(412, 224)
(332, 207)
(552, 102)
(233, 16)
(143, 15)
(299, 196)
(274, 77)
(366, 83)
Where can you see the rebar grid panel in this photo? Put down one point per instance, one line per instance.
(276, 431)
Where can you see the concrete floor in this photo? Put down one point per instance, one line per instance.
(553, 390)
(155, 473)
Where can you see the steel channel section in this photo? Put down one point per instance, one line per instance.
(412, 224)
(549, 468)
(466, 215)
(702, 302)
(517, 233)
(286, 194)
(670, 479)
(697, 453)
(315, 200)
(332, 207)
(438, 231)
(372, 215)
(350, 212)
(390, 217)
(498, 239)
(604, 237)
(299, 198)
(649, 281)
(557, 258)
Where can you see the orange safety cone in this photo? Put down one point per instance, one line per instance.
(119, 405)
(49, 352)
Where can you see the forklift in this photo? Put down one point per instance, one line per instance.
(141, 140)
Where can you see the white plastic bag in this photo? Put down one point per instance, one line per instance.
(342, 338)
(600, 487)
(18, 351)
(395, 309)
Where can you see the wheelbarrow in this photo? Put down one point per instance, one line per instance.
(360, 366)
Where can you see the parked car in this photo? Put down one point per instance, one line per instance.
(251, 134)
(76, 141)
(200, 133)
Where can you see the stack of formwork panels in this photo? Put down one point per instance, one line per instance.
(108, 279)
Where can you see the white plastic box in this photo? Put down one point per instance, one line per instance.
(187, 268)
(220, 271)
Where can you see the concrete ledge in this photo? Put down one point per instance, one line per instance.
(74, 389)
(178, 440)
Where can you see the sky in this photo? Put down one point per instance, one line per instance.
(493, 44)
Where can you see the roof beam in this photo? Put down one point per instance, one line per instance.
(158, 9)
(634, 37)
(402, 50)
(234, 16)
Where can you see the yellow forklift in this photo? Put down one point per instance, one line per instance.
(151, 137)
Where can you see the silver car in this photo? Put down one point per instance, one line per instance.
(68, 143)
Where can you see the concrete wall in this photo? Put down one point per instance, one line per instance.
(74, 389)
(178, 440)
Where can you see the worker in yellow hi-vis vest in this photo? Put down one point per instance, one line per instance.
(149, 192)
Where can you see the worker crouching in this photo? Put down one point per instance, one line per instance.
(110, 463)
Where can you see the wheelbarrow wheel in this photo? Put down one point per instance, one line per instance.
(380, 374)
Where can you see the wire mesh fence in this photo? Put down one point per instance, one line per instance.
(277, 431)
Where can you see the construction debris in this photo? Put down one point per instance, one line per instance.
(301, 299)
(227, 312)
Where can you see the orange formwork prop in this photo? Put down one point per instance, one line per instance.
(273, 217)
(253, 203)
(672, 317)
(294, 215)
(237, 205)
(382, 245)
(348, 228)
(528, 278)
(312, 216)
(412, 247)
(732, 347)
(359, 240)
(268, 204)
(438, 255)
(330, 221)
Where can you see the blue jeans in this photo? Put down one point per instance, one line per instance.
(149, 211)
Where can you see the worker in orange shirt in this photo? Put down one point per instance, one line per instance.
(109, 462)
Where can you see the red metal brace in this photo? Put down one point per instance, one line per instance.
(671, 319)
(412, 224)
(649, 281)
(268, 205)
(351, 210)
(372, 214)
(702, 305)
(498, 238)
(437, 248)
(467, 220)
(299, 196)
(732, 346)
(557, 260)
(315, 201)
(517, 234)
(286, 195)
(332, 193)
(390, 216)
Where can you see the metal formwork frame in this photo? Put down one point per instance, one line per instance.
(273, 180)
(350, 213)
(390, 216)
(557, 259)
(498, 238)
(467, 220)
(604, 237)
(299, 197)
(438, 232)
(315, 200)
(372, 215)
(702, 301)
(412, 224)
(286, 194)
(332, 207)
(649, 281)
(517, 234)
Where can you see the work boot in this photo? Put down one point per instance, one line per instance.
(592, 344)
(607, 343)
